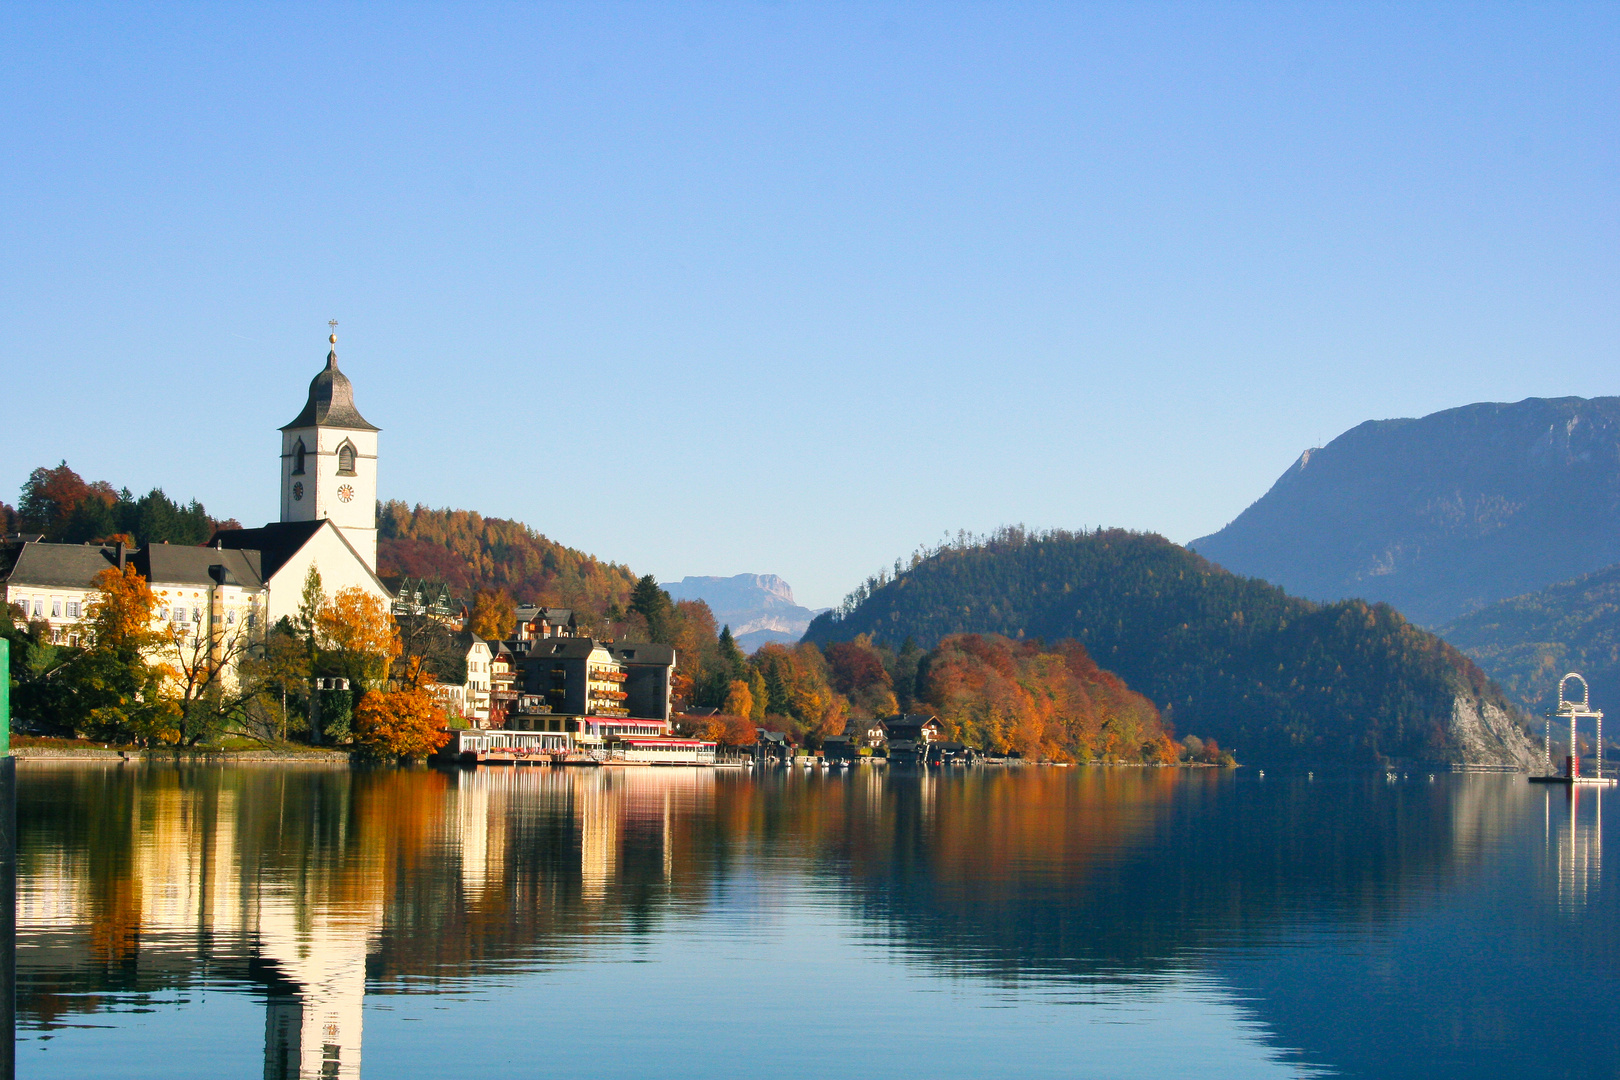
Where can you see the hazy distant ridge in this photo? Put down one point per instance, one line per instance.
(1527, 643)
(1442, 515)
(757, 607)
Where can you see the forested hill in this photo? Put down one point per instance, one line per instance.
(1441, 515)
(1527, 643)
(470, 552)
(1273, 677)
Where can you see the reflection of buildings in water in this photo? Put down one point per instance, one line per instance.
(1574, 834)
(314, 964)
(218, 879)
(611, 803)
(479, 823)
(598, 822)
(304, 940)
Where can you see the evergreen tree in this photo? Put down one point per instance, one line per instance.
(654, 605)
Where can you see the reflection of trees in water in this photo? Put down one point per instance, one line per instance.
(309, 885)
(1116, 870)
(445, 873)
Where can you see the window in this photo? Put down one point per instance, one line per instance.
(179, 613)
(39, 608)
(196, 615)
(73, 609)
(56, 607)
(298, 458)
(230, 618)
(346, 460)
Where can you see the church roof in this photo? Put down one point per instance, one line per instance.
(276, 542)
(331, 401)
(181, 564)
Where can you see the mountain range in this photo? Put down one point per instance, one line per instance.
(759, 608)
(1443, 515)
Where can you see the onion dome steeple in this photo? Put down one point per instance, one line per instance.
(331, 400)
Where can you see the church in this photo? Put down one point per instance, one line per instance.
(243, 578)
(328, 505)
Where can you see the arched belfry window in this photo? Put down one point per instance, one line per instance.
(346, 459)
(298, 459)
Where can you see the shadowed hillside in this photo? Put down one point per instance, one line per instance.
(1528, 642)
(1273, 677)
(1443, 515)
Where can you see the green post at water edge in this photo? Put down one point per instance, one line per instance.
(5, 696)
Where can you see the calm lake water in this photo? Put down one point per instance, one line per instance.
(296, 922)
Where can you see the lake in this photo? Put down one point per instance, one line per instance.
(1039, 922)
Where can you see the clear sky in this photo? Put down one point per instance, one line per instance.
(793, 289)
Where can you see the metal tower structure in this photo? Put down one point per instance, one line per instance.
(1574, 711)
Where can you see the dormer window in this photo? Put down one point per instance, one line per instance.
(298, 459)
(346, 460)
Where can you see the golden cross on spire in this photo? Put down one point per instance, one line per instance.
(333, 324)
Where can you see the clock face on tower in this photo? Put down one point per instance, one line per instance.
(298, 489)
(345, 493)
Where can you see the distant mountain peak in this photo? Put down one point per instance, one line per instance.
(757, 607)
(1442, 514)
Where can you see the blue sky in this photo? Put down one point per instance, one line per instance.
(793, 289)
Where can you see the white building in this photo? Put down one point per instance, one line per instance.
(244, 577)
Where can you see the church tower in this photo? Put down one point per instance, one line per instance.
(329, 462)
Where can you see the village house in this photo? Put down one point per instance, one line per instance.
(910, 735)
(534, 623)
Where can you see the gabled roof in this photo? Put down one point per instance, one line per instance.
(165, 564)
(72, 566)
(279, 541)
(276, 543)
(331, 401)
(911, 722)
(556, 616)
(75, 566)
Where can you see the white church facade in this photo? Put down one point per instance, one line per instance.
(328, 500)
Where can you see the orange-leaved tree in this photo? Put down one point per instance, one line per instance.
(401, 723)
(121, 611)
(110, 689)
(493, 615)
(739, 699)
(357, 631)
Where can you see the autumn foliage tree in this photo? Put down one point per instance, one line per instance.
(108, 690)
(493, 614)
(400, 723)
(357, 636)
(68, 509)
(1043, 701)
(856, 670)
(798, 688)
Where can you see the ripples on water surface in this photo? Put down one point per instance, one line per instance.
(289, 922)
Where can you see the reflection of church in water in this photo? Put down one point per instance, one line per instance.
(204, 892)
